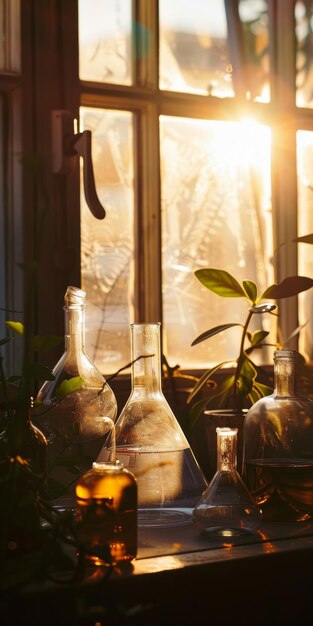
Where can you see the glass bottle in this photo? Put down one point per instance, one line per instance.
(106, 513)
(75, 424)
(23, 472)
(278, 447)
(226, 508)
(151, 443)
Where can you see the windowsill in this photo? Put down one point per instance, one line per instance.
(177, 577)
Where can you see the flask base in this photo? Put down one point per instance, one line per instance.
(163, 517)
(226, 532)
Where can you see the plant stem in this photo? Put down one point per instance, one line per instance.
(238, 404)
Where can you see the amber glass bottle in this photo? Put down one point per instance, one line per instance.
(106, 513)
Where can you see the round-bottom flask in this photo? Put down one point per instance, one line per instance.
(278, 447)
(106, 513)
(75, 424)
(226, 508)
(151, 443)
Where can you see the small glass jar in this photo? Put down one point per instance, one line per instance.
(106, 513)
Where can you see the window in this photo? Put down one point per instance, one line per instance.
(191, 154)
(201, 117)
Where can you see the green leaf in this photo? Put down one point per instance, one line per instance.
(204, 379)
(290, 286)
(244, 385)
(258, 336)
(263, 390)
(195, 412)
(45, 342)
(246, 377)
(17, 327)
(251, 290)
(5, 340)
(213, 331)
(68, 386)
(220, 282)
(248, 368)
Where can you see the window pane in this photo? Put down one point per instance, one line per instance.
(305, 227)
(254, 19)
(216, 213)
(194, 53)
(199, 51)
(105, 29)
(107, 246)
(304, 61)
(10, 35)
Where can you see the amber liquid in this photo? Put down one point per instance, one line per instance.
(106, 518)
(283, 488)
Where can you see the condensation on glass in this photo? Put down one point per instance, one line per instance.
(200, 54)
(105, 41)
(305, 227)
(304, 61)
(10, 35)
(107, 246)
(216, 212)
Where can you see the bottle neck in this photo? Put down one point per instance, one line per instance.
(226, 449)
(284, 375)
(145, 355)
(74, 323)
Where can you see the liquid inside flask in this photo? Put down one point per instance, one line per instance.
(151, 443)
(77, 424)
(226, 508)
(278, 447)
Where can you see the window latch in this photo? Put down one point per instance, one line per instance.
(67, 147)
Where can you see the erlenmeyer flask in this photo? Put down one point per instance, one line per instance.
(226, 508)
(151, 443)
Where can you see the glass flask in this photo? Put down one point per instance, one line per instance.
(226, 508)
(150, 441)
(75, 424)
(106, 513)
(278, 447)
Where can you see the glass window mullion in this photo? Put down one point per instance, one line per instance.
(284, 196)
(148, 214)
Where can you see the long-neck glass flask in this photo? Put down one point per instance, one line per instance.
(151, 443)
(226, 509)
(75, 424)
(278, 447)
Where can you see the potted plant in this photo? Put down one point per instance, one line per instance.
(243, 382)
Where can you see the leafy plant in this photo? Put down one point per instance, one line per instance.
(241, 386)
